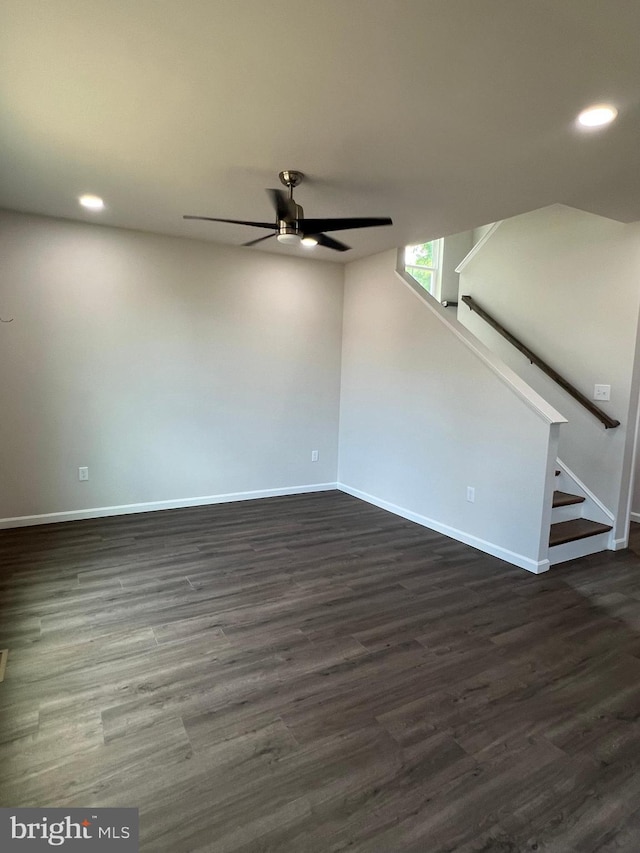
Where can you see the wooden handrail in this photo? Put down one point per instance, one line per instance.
(608, 422)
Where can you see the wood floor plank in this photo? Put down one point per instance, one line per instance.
(309, 674)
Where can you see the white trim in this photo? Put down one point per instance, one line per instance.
(536, 567)
(634, 407)
(619, 544)
(155, 506)
(578, 482)
(474, 251)
(493, 362)
(634, 516)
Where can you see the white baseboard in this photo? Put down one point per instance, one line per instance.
(635, 516)
(453, 533)
(155, 506)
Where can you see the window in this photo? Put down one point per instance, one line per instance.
(422, 262)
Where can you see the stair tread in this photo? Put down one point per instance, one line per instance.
(565, 499)
(577, 528)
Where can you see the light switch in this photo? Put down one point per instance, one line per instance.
(602, 392)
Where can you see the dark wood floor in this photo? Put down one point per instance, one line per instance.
(312, 674)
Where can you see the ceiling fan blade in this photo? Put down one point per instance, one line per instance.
(285, 207)
(330, 243)
(269, 225)
(259, 240)
(314, 226)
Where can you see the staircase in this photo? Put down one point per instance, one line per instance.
(579, 523)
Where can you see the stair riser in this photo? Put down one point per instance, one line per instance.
(578, 548)
(566, 513)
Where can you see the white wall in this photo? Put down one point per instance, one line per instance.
(567, 283)
(455, 248)
(423, 417)
(172, 368)
(178, 370)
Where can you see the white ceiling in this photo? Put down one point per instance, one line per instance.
(443, 114)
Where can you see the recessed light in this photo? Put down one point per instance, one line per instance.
(309, 242)
(91, 202)
(597, 116)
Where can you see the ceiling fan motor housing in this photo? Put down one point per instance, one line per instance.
(290, 221)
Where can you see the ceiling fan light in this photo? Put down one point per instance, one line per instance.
(91, 202)
(289, 239)
(309, 242)
(598, 115)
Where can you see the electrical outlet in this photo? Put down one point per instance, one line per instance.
(602, 392)
(471, 494)
(83, 473)
(314, 455)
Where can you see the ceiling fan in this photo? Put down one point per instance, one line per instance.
(291, 226)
